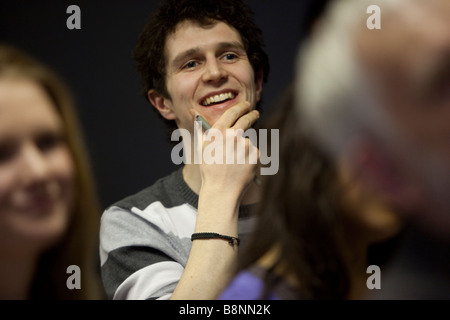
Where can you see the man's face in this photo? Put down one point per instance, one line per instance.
(409, 58)
(207, 70)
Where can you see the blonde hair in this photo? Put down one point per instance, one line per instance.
(79, 246)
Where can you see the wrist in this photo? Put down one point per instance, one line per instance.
(232, 241)
(222, 192)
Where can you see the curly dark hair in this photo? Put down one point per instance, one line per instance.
(149, 52)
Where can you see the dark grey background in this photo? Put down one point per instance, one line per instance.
(127, 142)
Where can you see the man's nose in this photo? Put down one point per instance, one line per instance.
(214, 71)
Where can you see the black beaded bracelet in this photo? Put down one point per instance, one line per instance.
(212, 235)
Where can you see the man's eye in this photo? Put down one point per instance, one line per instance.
(230, 56)
(190, 65)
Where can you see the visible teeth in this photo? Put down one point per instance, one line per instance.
(218, 98)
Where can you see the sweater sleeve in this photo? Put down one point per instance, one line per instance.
(143, 252)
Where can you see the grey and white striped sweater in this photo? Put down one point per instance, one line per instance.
(145, 239)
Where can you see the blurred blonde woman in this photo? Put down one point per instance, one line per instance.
(49, 211)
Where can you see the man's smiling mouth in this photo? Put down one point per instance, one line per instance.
(218, 98)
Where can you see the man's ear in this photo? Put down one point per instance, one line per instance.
(162, 104)
(380, 169)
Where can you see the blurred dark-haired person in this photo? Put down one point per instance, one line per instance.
(49, 211)
(380, 98)
(317, 230)
(195, 58)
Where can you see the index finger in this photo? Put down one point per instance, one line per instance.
(230, 116)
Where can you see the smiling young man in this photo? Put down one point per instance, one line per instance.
(178, 238)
